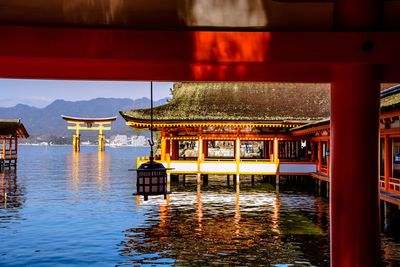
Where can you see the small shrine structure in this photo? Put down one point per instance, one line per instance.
(10, 131)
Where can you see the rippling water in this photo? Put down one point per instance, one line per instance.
(77, 209)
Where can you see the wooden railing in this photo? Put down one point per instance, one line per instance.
(382, 182)
(8, 155)
(394, 185)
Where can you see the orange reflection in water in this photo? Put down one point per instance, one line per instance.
(164, 213)
(275, 218)
(211, 227)
(237, 217)
(100, 169)
(3, 189)
(11, 193)
(88, 169)
(199, 210)
(75, 170)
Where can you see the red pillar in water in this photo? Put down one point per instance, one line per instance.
(355, 99)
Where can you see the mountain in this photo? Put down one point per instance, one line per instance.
(47, 121)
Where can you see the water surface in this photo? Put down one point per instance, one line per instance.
(66, 209)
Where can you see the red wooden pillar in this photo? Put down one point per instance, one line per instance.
(10, 146)
(312, 144)
(175, 149)
(205, 148)
(266, 149)
(319, 156)
(234, 149)
(388, 161)
(328, 159)
(271, 149)
(355, 97)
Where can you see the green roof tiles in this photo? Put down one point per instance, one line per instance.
(209, 101)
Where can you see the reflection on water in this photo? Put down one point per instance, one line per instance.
(88, 168)
(12, 196)
(78, 209)
(217, 225)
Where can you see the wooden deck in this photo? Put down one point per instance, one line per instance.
(390, 197)
(320, 176)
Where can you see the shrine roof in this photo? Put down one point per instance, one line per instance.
(243, 102)
(11, 127)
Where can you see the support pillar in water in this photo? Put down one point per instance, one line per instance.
(76, 142)
(101, 141)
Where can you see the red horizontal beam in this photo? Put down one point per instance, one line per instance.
(94, 69)
(63, 53)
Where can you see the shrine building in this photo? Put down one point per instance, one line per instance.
(10, 131)
(227, 128)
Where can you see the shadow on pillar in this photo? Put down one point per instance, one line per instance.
(204, 178)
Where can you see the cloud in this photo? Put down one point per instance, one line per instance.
(7, 102)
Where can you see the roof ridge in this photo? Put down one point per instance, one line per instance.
(390, 91)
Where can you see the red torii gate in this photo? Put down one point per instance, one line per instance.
(355, 60)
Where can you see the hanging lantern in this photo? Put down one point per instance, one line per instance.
(151, 179)
(151, 176)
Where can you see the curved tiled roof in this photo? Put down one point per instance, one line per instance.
(11, 127)
(88, 120)
(390, 98)
(209, 101)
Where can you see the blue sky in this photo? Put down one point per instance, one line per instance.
(39, 93)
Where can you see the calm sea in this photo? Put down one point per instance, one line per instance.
(65, 209)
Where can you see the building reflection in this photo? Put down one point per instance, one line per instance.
(12, 197)
(322, 213)
(211, 226)
(276, 212)
(199, 210)
(236, 218)
(88, 171)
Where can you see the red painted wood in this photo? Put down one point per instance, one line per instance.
(319, 156)
(358, 15)
(175, 150)
(205, 148)
(95, 69)
(198, 46)
(388, 161)
(354, 175)
(106, 54)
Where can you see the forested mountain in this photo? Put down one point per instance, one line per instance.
(47, 121)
